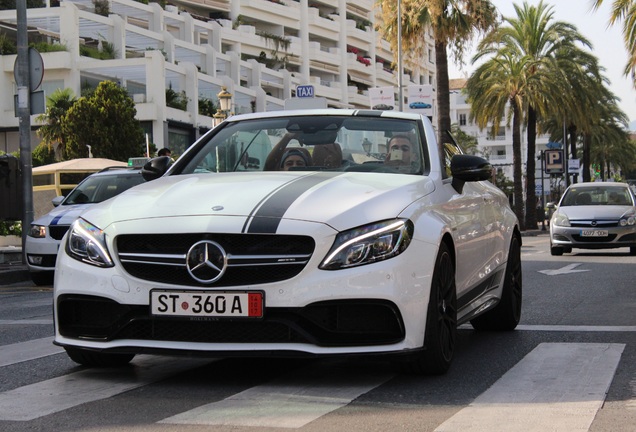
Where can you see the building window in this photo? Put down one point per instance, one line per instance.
(462, 119)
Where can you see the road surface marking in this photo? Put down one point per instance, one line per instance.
(57, 394)
(30, 350)
(568, 269)
(566, 328)
(27, 322)
(557, 387)
(287, 402)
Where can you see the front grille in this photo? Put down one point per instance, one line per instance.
(329, 323)
(252, 258)
(578, 238)
(58, 231)
(600, 224)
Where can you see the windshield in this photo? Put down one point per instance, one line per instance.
(600, 195)
(99, 188)
(313, 143)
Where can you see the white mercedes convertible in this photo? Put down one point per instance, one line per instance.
(318, 233)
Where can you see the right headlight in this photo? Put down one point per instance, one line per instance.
(369, 244)
(560, 219)
(87, 243)
(37, 231)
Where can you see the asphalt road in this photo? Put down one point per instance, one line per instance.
(568, 367)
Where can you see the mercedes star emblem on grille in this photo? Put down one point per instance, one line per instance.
(593, 223)
(206, 261)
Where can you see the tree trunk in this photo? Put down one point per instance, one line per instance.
(587, 145)
(531, 198)
(573, 138)
(443, 96)
(516, 160)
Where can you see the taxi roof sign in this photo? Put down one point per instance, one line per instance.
(137, 162)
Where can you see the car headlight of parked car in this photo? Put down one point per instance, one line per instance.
(369, 244)
(560, 219)
(37, 231)
(627, 220)
(87, 243)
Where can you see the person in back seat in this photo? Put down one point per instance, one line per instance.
(327, 155)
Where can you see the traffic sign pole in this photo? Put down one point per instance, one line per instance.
(24, 113)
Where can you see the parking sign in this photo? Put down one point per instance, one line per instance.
(553, 161)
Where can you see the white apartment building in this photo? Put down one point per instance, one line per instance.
(260, 50)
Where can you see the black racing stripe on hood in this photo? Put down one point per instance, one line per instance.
(266, 216)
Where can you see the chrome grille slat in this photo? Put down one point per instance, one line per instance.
(163, 257)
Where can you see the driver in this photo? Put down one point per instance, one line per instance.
(401, 152)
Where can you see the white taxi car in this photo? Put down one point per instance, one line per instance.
(279, 233)
(45, 234)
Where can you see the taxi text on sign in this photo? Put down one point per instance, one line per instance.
(305, 91)
(554, 162)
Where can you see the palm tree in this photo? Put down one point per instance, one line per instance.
(453, 23)
(56, 107)
(546, 44)
(625, 10)
(496, 92)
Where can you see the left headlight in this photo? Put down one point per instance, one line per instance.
(628, 220)
(369, 244)
(87, 243)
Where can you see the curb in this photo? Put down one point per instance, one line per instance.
(14, 275)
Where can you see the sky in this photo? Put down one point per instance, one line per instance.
(607, 43)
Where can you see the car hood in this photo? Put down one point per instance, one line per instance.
(62, 215)
(341, 200)
(596, 211)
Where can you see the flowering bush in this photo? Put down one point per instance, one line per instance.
(8, 228)
(365, 61)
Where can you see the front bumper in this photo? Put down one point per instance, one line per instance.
(571, 237)
(368, 309)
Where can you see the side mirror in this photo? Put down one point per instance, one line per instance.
(57, 200)
(156, 167)
(469, 168)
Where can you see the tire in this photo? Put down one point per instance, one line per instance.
(632, 250)
(440, 336)
(556, 250)
(42, 278)
(97, 359)
(506, 315)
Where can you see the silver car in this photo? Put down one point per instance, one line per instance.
(594, 215)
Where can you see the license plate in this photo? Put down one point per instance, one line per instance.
(594, 233)
(226, 304)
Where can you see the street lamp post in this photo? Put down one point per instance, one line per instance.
(225, 100)
(218, 118)
(542, 194)
(225, 104)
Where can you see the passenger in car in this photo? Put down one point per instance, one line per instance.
(295, 157)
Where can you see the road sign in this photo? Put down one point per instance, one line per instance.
(36, 69)
(305, 91)
(554, 161)
(573, 166)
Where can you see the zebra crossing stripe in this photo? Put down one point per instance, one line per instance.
(557, 387)
(283, 403)
(57, 394)
(30, 350)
